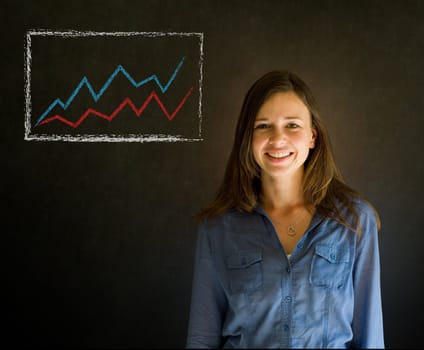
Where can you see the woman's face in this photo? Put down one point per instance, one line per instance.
(283, 135)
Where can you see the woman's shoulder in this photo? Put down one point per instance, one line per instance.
(229, 220)
(363, 212)
(363, 206)
(225, 216)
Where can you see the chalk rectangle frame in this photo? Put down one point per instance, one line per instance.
(97, 137)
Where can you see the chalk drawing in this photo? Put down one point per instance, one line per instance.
(110, 117)
(51, 115)
(96, 96)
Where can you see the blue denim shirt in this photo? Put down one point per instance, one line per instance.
(248, 294)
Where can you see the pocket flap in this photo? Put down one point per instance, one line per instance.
(243, 259)
(332, 253)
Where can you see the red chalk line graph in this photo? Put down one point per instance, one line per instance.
(126, 102)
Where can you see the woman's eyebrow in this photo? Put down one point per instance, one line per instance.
(287, 117)
(293, 117)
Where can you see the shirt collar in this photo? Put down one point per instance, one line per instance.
(317, 218)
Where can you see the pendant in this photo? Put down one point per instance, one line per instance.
(291, 231)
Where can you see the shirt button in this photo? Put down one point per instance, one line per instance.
(288, 299)
(288, 269)
(286, 328)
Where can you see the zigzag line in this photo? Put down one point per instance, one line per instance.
(126, 101)
(96, 96)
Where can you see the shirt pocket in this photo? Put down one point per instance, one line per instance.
(330, 266)
(245, 271)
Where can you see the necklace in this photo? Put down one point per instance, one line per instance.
(297, 225)
(291, 230)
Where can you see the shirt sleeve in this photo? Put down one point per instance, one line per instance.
(208, 301)
(368, 319)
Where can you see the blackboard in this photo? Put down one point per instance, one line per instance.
(99, 230)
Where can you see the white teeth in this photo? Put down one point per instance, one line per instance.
(279, 154)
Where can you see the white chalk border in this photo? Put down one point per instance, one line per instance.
(98, 137)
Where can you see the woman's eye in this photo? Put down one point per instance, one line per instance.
(262, 126)
(292, 126)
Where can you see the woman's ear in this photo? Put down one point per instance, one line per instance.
(314, 137)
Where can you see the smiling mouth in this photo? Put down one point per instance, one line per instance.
(279, 155)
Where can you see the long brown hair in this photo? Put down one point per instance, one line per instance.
(323, 185)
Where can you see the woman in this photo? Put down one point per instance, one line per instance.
(287, 253)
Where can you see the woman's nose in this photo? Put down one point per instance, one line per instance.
(277, 137)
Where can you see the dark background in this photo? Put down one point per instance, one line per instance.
(99, 236)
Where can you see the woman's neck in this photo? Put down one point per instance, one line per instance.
(283, 194)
